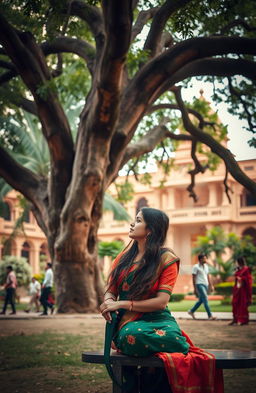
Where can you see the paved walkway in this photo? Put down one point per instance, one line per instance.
(225, 316)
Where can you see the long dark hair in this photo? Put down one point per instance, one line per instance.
(157, 222)
(241, 261)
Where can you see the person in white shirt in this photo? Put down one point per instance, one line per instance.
(35, 292)
(201, 282)
(46, 290)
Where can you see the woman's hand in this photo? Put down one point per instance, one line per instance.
(107, 307)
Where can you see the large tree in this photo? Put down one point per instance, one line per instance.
(127, 77)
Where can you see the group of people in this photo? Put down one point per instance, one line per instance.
(39, 294)
(138, 291)
(242, 290)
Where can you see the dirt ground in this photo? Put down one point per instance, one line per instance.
(207, 334)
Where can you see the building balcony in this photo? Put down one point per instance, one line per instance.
(7, 227)
(200, 215)
(247, 214)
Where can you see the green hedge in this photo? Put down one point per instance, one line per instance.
(225, 288)
(177, 297)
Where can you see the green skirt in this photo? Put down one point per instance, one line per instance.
(155, 332)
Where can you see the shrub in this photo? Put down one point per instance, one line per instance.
(177, 297)
(39, 277)
(20, 267)
(225, 288)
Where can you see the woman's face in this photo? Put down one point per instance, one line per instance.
(138, 228)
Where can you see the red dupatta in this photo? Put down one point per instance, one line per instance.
(195, 372)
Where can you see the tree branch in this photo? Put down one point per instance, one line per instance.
(32, 186)
(215, 67)
(142, 19)
(30, 63)
(231, 164)
(235, 92)
(237, 22)
(149, 141)
(193, 112)
(118, 22)
(57, 46)
(93, 17)
(199, 168)
(71, 45)
(159, 22)
(161, 73)
(23, 103)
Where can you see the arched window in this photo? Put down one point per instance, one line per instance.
(25, 252)
(5, 211)
(142, 202)
(247, 199)
(251, 232)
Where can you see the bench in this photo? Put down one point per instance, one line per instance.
(225, 359)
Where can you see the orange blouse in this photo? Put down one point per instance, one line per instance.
(167, 274)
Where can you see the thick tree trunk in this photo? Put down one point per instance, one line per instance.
(79, 287)
(78, 279)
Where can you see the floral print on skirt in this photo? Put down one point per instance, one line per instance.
(154, 332)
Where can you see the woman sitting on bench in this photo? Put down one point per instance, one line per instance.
(139, 289)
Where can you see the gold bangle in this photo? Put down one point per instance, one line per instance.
(131, 306)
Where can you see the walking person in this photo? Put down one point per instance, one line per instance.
(10, 288)
(202, 283)
(34, 292)
(242, 293)
(139, 288)
(46, 290)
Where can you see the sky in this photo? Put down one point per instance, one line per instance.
(236, 133)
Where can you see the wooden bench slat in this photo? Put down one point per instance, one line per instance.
(225, 359)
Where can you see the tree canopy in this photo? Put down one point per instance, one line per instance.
(126, 62)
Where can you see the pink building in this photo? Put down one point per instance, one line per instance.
(29, 241)
(187, 218)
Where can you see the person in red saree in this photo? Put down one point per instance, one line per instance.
(242, 293)
(139, 289)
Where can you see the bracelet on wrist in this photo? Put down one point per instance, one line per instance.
(131, 305)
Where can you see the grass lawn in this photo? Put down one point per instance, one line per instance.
(44, 355)
(215, 306)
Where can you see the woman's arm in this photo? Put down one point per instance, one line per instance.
(154, 304)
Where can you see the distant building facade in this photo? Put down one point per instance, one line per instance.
(187, 218)
(29, 241)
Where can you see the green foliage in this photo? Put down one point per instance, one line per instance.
(177, 297)
(20, 267)
(125, 191)
(136, 57)
(111, 249)
(111, 204)
(223, 270)
(215, 244)
(225, 288)
(44, 90)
